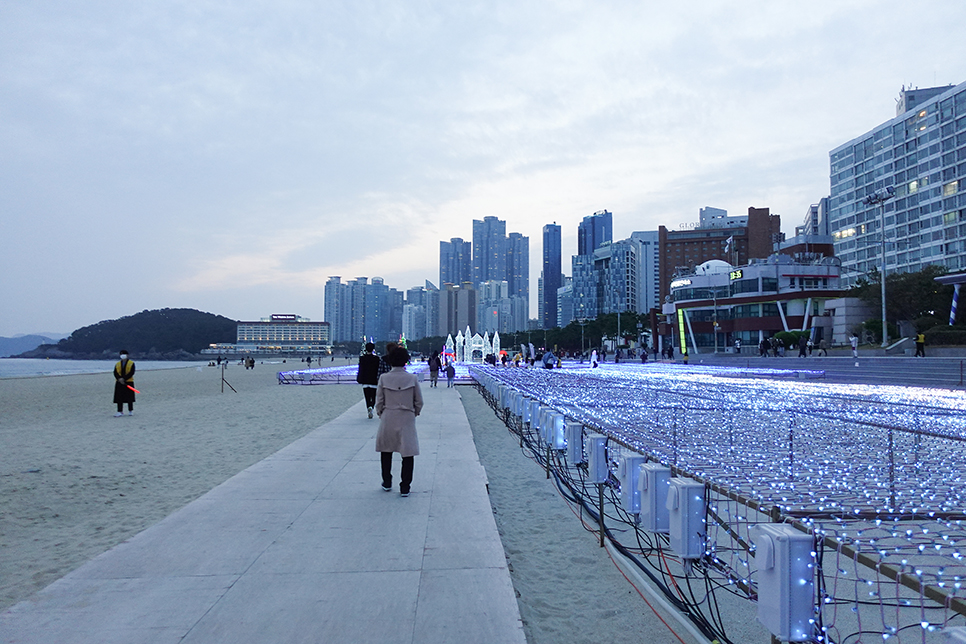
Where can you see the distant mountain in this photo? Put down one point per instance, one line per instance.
(21, 343)
(164, 334)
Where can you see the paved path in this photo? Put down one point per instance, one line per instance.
(305, 546)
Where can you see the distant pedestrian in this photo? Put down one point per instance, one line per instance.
(802, 346)
(548, 359)
(450, 374)
(823, 347)
(920, 345)
(384, 366)
(368, 376)
(434, 365)
(124, 384)
(398, 403)
(854, 342)
(593, 359)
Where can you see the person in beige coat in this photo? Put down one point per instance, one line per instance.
(398, 402)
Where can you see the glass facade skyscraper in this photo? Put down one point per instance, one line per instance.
(489, 249)
(455, 261)
(921, 154)
(593, 231)
(552, 277)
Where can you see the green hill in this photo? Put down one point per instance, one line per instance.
(164, 334)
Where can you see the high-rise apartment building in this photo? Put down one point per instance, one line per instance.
(607, 281)
(565, 303)
(432, 309)
(334, 300)
(359, 310)
(816, 220)
(593, 231)
(489, 249)
(552, 276)
(455, 261)
(458, 308)
(921, 155)
(518, 265)
(649, 270)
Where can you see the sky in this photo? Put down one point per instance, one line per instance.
(231, 156)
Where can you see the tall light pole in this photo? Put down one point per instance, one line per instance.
(714, 323)
(582, 322)
(618, 342)
(879, 199)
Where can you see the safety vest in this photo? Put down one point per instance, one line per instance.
(124, 367)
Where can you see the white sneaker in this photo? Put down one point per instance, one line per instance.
(130, 413)
(370, 412)
(118, 415)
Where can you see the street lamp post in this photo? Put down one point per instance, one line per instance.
(879, 199)
(582, 322)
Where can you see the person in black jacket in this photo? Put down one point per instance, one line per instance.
(368, 375)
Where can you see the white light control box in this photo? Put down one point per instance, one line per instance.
(653, 485)
(629, 472)
(785, 565)
(685, 504)
(597, 470)
(575, 442)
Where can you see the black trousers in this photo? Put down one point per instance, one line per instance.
(405, 477)
(370, 394)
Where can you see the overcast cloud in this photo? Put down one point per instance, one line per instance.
(230, 156)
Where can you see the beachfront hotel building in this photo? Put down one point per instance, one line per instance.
(921, 155)
(282, 333)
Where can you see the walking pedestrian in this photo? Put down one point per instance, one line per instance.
(434, 365)
(398, 403)
(368, 376)
(854, 342)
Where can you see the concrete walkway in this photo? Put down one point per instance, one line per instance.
(305, 546)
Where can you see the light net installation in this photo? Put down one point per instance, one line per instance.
(835, 511)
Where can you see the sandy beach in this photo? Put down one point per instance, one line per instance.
(75, 481)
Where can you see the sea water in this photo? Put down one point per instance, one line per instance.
(29, 367)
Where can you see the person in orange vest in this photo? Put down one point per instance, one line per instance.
(124, 384)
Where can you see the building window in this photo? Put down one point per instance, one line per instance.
(951, 188)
